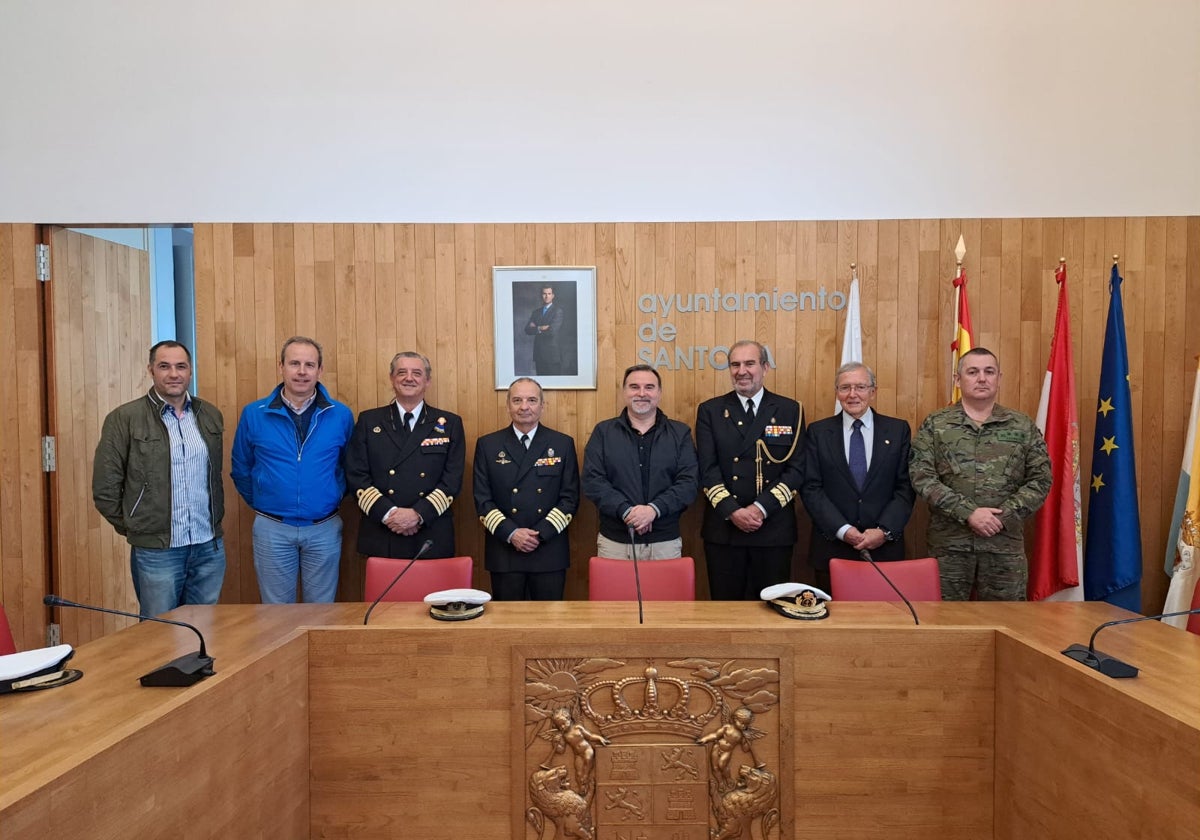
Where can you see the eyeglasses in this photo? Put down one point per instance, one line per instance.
(856, 388)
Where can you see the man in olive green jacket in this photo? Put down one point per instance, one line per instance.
(157, 480)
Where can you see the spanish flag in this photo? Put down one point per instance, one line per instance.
(964, 338)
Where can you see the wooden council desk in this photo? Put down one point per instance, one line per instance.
(969, 726)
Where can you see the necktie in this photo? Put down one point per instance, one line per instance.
(408, 417)
(750, 410)
(858, 455)
(525, 441)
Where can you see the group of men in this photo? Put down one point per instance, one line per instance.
(981, 467)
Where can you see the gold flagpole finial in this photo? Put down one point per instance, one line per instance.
(1062, 260)
(1116, 258)
(853, 271)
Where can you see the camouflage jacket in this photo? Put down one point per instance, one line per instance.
(958, 466)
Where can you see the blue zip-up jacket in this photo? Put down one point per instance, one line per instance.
(277, 475)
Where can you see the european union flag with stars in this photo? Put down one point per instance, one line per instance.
(1112, 565)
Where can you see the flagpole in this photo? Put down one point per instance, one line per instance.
(960, 252)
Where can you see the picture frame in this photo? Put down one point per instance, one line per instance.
(556, 333)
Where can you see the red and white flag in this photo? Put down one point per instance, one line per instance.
(1056, 560)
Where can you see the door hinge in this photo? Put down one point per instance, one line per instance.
(53, 635)
(43, 262)
(49, 454)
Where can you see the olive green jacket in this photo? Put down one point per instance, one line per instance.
(131, 474)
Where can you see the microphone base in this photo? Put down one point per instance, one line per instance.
(1102, 662)
(184, 671)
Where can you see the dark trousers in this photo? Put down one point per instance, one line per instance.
(528, 586)
(740, 573)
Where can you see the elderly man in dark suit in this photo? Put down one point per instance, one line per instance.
(748, 442)
(856, 486)
(526, 492)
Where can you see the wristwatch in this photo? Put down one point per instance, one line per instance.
(888, 535)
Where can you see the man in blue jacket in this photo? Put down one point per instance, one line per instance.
(287, 465)
(640, 471)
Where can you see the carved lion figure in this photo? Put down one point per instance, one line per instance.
(753, 797)
(549, 788)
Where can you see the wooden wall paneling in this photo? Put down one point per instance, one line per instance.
(370, 378)
(393, 281)
(341, 352)
(304, 296)
(582, 404)
(915, 331)
(378, 354)
(1031, 367)
(661, 283)
(889, 310)
(866, 257)
(468, 397)
(284, 266)
(1156, 492)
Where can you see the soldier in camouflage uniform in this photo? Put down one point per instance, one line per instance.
(983, 469)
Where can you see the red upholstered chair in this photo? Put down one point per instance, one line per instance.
(855, 580)
(1193, 624)
(662, 580)
(424, 577)
(7, 645)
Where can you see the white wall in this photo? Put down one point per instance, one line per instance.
(389, 110)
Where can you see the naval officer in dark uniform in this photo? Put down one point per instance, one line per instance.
(751, 469)
(526, 491)
(405, 464)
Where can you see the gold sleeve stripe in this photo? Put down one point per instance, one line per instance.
(783, 493)
(716, 494)
(492, 520)
(558, 519)
(368, 497)
(440, 501)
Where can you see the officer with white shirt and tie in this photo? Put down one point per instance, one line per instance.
(526, 487)
(856, 487)
(405, 463)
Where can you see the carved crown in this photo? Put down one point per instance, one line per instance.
(651, 703)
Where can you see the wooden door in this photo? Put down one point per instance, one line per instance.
(23, 528)
(99, 304)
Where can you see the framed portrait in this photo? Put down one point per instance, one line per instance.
(545, 325)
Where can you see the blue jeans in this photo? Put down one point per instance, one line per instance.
(165, 578)
(283, 552)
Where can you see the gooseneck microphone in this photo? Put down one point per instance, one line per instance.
(1108, 665)
(866, 555)
(428, 544)
(637, 577)
(187, 670)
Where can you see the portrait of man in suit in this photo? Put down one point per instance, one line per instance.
(547, 325)
(856, 486)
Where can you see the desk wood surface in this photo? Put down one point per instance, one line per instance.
(48, 735)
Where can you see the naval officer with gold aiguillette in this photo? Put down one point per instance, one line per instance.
(751, 468)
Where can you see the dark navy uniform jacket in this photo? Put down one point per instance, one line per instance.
(421, 469)
(515, 488)
(727, 446)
